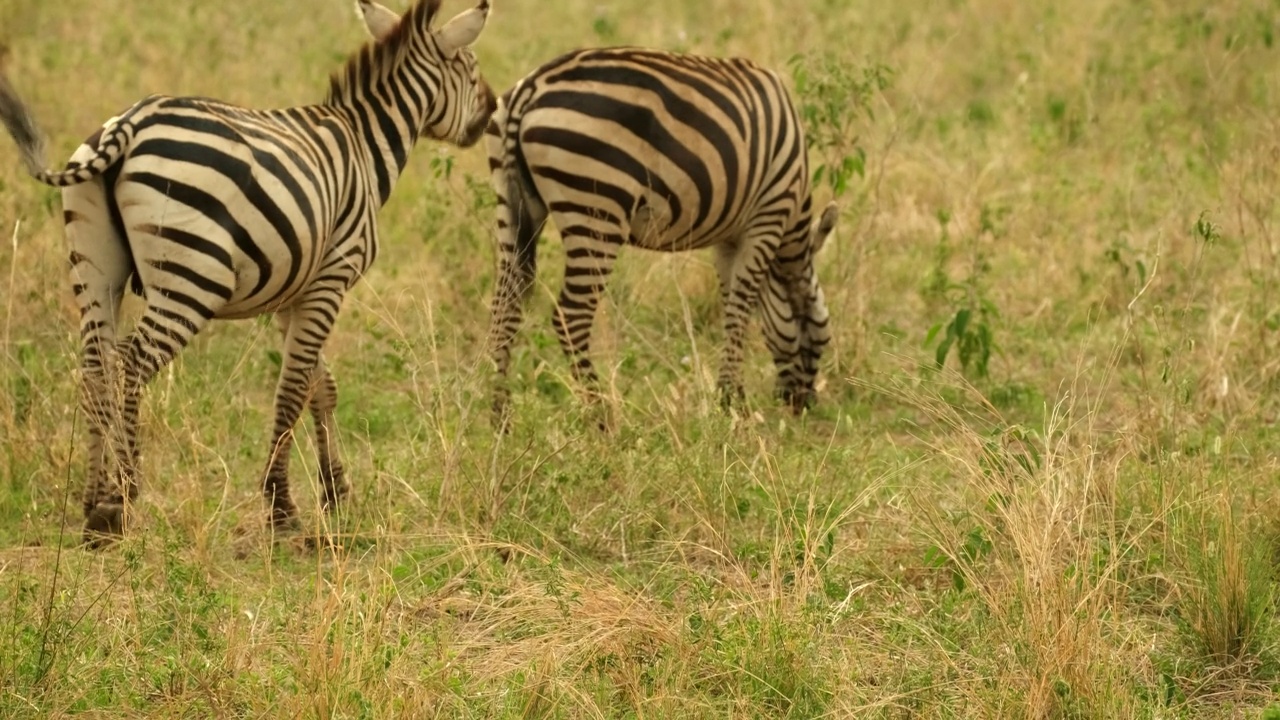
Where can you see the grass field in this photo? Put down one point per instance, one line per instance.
(1077, 516)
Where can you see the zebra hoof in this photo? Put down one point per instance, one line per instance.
(103, 525)
(335, 498)
(284, 517)
(335, 490)
(731, 395)
(501, 416)
(798, 400)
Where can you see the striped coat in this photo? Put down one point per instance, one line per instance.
(668, 152)
(215, 211)
(664, 151)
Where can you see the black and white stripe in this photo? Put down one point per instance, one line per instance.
(217, 211)
(668, 152)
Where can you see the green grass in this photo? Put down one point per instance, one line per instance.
(1079, 522)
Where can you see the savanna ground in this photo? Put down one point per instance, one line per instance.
(1082, 524)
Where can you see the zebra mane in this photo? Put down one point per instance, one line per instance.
(373, 60)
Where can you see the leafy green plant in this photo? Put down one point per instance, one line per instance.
(1206, 230)
(834, 97)
(479, 193)
(968, 333)
(442, 166)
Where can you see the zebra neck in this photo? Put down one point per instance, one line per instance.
(387, 103)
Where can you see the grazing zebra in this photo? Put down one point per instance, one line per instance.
(216, 211)
(669, 152)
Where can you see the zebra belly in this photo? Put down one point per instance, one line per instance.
(652, 230)
(252, 306)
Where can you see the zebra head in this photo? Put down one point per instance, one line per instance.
(468, 101)
(798, 374)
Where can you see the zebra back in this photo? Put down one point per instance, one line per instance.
(688, 150)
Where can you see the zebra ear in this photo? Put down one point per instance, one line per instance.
(462, 30)
(379, 20)
(822, 229)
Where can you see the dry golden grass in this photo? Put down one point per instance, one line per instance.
(1088, 530)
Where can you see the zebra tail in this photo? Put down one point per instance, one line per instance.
(21, 126)
(521, 193)
(18, 120)
(112, 142)
(527, 229)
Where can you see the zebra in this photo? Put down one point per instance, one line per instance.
(209, 210)
(668, 152)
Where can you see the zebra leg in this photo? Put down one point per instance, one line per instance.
(184, 287)
(814, 325)
(98, 392)
(323, 400)
(781, 325)
(164, 329)
(589, 258)
(100, 268)
(742, 267)
(795, 308)
(307, 326)
(520, 218)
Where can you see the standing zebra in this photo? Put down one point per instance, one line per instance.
(217, 211)
(669, 152)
